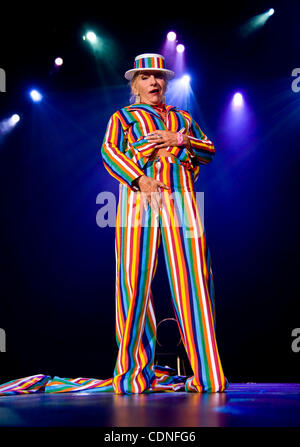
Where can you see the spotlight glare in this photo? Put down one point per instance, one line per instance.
(186, 79)
(256, 22)
(171, 36)
(91, 36)
(8, 124)
(35, 96)
(180, 48)
(58, 61)
(237, 100)
(15, 119)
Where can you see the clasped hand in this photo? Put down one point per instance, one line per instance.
(148, 186)
(164, 138)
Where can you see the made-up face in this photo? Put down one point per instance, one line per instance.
(150, 86)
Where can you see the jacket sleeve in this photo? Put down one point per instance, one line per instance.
(202, 149)
(113, 154)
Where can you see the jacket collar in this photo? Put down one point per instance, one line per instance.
(148, 108)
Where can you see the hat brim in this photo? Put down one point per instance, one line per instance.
(130, 73)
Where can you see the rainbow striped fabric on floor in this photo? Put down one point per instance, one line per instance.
(166, 381)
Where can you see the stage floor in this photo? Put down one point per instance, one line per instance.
(242, 405)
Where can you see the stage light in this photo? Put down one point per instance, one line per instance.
(237, 100)
(180, 48)
(179, 64)
(168, 49)
(58, 61)
(8, 124)
(98, 45)
(186, 79)
(171, 36)
(15, 119)
(91, 36)
(35, 95)
(256, 22)
(179, 92)
(237, 123)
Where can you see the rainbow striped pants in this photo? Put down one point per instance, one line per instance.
(138, 236)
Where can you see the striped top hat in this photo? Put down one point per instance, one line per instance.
(149, 61)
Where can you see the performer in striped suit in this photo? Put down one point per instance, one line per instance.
(155, 151)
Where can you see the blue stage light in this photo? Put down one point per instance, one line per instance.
(186, 79)
(35, 95)
(15, 118)
(8, 124)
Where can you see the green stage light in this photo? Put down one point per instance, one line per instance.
(256, 22)
(90, 36)
(96, 42)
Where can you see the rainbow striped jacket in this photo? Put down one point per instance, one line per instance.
(125, 149)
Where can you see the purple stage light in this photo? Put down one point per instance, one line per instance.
(180, 48)
(237, 100)
(168, 49)
(237, 125)
(171, 36)
(180, 65)
(58, 61)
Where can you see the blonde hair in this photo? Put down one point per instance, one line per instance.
(133, 97)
